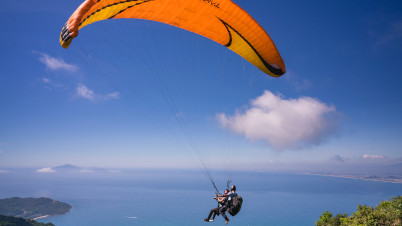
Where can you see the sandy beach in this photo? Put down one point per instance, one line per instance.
(40, 217)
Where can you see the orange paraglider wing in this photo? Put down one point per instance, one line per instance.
(219, 20)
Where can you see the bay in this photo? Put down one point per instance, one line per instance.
(184, 197)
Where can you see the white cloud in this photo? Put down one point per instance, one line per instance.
(115, 95)
(373, 157)
(4, 171)
(46, 170)
(56, 63)
(284, 123)
(50, 84)
(84, 92)
(87, 171)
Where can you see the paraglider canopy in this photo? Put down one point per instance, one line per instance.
(220, 20)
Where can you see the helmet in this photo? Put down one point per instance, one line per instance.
(233, 188)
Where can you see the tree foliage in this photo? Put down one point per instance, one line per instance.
(32, 207)
(385, 213)
(19, 221)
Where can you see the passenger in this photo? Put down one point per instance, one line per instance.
(222, 200)
(223, 209)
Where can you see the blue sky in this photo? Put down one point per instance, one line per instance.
(131, 93)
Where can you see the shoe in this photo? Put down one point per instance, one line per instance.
(212, 220)
(227, 221)
(206, 219)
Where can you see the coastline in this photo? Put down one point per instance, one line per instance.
(377, 179)
(44, 216)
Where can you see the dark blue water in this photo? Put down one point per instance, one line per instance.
(177, 197)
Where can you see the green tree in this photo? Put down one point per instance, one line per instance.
(19, 221)
(385, 213)
(325, 218)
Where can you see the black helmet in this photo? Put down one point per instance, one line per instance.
(233, 188)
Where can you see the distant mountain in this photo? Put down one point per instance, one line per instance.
(67, 167)
(31, 208)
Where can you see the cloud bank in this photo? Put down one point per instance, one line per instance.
(284, 123)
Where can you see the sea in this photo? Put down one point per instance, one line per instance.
(103, 197)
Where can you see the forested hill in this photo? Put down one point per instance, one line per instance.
(18, 221)
(31, 208)
(385, 213)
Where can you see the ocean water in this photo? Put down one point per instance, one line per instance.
(184, 197)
